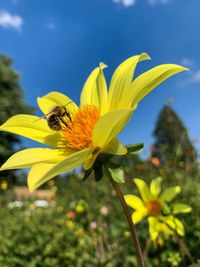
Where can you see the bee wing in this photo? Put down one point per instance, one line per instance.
(45, 116)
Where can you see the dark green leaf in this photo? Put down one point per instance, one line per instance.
(98, 171)
(134, 148)
(87, 174)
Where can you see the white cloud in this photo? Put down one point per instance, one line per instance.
(126, 3)
(14, 2)
(187, 62)
(194, 71)
(7, 20)
(196, 76)
(51, 25)
(155, 2)
(129, 3)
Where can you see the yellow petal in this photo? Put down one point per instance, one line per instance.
(115, 147)
(134, 202)
(157, 227)
(174, 224)
(169, 220)
(121, 79)
(31, 127)
(95, 90)
(109, 126)
(155, 186)
(90, 160)
(148, 80)
(138, 216)
(143, 189)
(179, 227)
(153, 227)
(47, 102)
(28, 157)
(170, 193)
(42, 172)
(181, 208)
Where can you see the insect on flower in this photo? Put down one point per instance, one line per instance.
(58, 118)
(79, 134)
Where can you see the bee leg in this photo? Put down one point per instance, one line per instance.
(68, 115)
(64, 123)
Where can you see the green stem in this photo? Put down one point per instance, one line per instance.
(129, 220)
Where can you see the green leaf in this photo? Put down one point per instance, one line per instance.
(98, 172)
(116, 172)
(87, 173)
(135, 148)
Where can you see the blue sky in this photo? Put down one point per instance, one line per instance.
(56, 44)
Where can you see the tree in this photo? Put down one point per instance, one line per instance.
(172, 145)
(11, 103)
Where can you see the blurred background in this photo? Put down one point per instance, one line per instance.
(53, 46)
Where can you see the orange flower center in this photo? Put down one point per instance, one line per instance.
(79, 131)
(153, 207)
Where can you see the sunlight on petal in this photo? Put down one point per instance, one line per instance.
(155, 186)
(143, 189)
(32, 127)
(115, 147)
(138, 216)
(28, 157)
(90, 160)
(121, 79)
(174, 223)
(95, 90)
(170, 193)
(153, 222)
(134, 202)
(109, 126)
(148, 80)
(41, 172)
(49, 101)
(181, 208)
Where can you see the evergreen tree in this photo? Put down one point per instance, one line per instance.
(172, 145)
(11, 103)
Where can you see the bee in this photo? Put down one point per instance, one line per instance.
(56, 117)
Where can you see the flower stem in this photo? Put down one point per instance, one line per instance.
(129, 220)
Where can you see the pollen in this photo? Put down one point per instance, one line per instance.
(78, 134)
(154, 207)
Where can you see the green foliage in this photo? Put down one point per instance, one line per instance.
(172, 144)
(116, 172)
(135, 148)
(97, 235)
(11, 103)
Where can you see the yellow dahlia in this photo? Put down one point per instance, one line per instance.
(157, 207)
(87, 130)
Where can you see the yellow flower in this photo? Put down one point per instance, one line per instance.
(80, 208)
(88, 130)
(154, 204)
(4, 185)
(70, 224)
(80, 232)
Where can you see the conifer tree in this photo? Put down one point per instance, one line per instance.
(172, 144)
(11, 103)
